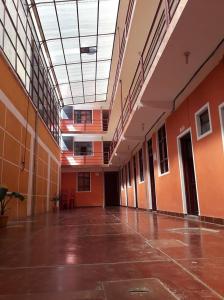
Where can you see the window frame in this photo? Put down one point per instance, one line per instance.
(77, 179)
(197, 121)
(141, 175)
(158, 152)
(221, 117)
(92, 147)
(82, 110)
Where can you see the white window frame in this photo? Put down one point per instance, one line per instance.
(77, 183)
(197, 121)
(157, 153)
(221, 117)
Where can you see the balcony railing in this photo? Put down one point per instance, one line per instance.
(98, 125)
(97, 158)
(164, 14)
(121, 48)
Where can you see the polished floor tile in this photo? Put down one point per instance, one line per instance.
(116, 253)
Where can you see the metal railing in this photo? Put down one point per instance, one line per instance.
(82, 159)
(121, 48)
(164, 14)
(97, 125)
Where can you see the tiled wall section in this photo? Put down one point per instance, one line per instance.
(16, 143)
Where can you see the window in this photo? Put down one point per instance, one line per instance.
(82, 116)
(66, 113)
(129, 173)
(221, 112)
(19, 42)
(203, 122)
(84, 182)
(163, 155)
(141, 169)
(83, 148)
(66, 143)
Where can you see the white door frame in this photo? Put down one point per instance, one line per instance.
(182, 183)
(149, 189)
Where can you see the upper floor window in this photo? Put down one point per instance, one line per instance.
(83, 116)
(203, 122)
(83, 181)
(141, 167)
(83, 148)
(163, 154)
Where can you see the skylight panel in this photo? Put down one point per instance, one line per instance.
(88, 41)
(61, 74)
(78, 100)
(90, 98)
(101, 86)
(89, 87)
(67, 19)
(65, 90)
(72, 50)
(107, 15)
(87, 11)
(74, 72)
(56, 53)
(77, 89)
(103, 69)
(49, 22)
(68, 101)
(101, 97)
(105, 46)
(89, 71)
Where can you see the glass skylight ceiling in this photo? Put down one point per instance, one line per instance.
(72, 28)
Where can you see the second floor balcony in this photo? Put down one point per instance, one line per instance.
(83, 153)
(83, 121)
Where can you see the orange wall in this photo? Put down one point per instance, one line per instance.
(208, 153)
(13, 149)
(95, 127)
(93, 198)
(68, 158)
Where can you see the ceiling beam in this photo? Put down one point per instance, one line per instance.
(161, 105)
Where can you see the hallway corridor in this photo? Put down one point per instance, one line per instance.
(111, 254)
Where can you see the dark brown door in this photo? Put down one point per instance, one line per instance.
(111, 189)
(152, 176)
(135, 181)
(189, 175)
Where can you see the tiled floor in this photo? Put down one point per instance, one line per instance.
(111, 254)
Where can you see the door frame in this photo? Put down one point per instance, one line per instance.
(135, 179)
(181, 171)
(148, 175)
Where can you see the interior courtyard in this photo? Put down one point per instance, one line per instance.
(111, 149)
